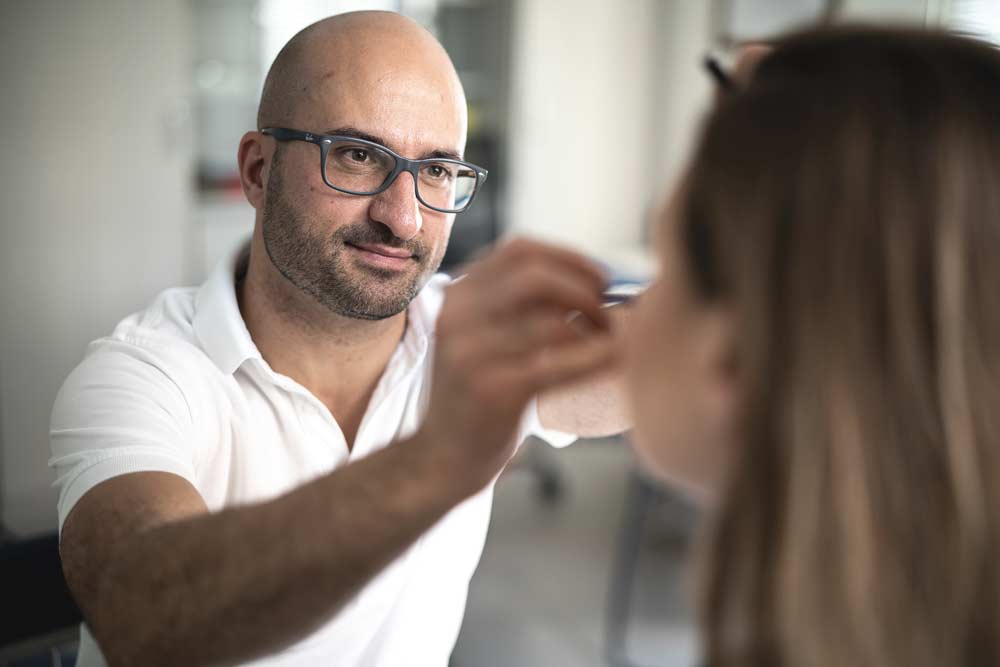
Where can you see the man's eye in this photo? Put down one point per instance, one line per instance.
(437, 172)
(358, 154)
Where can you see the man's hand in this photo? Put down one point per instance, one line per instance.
(593, 406)
(503, 336)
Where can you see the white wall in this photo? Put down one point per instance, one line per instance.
(606, 99)
(94, 185)
(906, 11)
(682, 86)
(579, 80)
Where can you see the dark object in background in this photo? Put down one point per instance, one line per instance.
(36, 603)
(477, 37)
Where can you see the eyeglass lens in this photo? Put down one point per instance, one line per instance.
(362, 169)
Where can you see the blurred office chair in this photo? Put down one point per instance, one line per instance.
(40, 619)
(643, 497)
(537, 458)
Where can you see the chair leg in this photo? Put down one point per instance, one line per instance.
(639, 497)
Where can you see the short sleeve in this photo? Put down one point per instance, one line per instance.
(531, 424)
(118, 412)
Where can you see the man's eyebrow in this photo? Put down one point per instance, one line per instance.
(356, 133)
(360, 134)
(446, 155)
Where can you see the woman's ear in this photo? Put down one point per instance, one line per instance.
(717, 355)
(252, 162)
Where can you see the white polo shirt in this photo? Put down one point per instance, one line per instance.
(180, 387)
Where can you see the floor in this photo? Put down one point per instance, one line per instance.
(540, 596)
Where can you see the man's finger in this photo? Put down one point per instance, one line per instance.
(522, 336)
(521, 251)
(546, 286)
(558, 365)
(506, 257)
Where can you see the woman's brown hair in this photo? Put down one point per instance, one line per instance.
(846, 203)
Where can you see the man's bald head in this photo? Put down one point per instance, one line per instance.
(352, 45)
(366, 76)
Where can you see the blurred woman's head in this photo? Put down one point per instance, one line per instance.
(822, 353)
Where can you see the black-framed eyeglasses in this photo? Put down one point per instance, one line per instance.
(360, 167)
(721, 77)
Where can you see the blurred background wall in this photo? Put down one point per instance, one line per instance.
(96, 202)
(121, 121)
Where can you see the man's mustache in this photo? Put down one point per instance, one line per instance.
(378, 235)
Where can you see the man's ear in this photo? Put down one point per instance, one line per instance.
(253, 163)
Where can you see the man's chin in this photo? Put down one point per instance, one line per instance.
(377, 307)
(375, 278)
(373, 295)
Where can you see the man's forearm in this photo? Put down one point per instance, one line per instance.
(226, 587)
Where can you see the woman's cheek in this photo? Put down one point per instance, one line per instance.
(645, 345)
(665, 389)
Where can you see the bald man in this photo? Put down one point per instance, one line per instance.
(293, 463)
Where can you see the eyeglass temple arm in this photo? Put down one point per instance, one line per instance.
(724, 81)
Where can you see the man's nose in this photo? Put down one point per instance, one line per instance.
(398, 208)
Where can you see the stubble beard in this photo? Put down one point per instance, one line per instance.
(323, 268)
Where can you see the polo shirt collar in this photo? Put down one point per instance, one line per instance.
(218, 322)
(225, 338)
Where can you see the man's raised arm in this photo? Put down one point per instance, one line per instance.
(162, 581)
